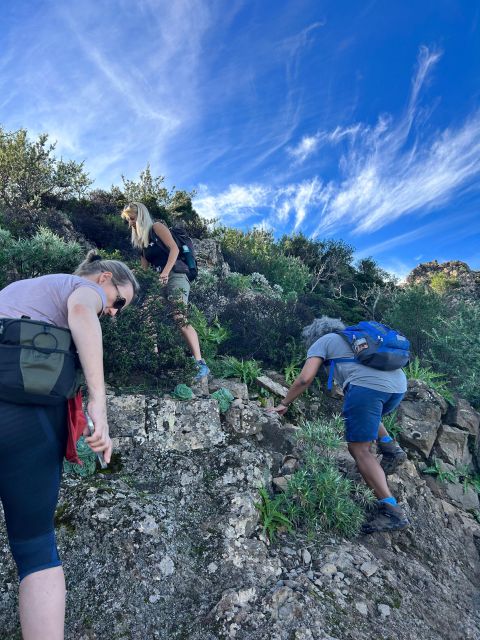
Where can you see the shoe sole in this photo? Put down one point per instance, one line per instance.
(391, 464)
(404, 524)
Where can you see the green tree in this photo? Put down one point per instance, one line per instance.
(149, 190)
(415, 311)
(30, 174)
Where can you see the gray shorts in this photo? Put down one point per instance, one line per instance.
(178, 288)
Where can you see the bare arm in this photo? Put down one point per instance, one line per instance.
(144, 263)
(166, 237)
(83, 306)
(302, 382)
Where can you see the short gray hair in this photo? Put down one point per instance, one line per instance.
(320, 327)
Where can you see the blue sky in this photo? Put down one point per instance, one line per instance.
(345, 119)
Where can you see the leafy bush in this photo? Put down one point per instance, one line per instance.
(271, 517)
(31, 257)
(211, 336)
(454, 349)
(261, 326)
(143, 345)
(97, 217)
(391, 424)
(30, 173)
(318, 498)
(256, 252)
(246, 370)
(415, 371)
(415, 311)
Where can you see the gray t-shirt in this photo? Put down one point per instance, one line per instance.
(44, 298)
(334, 346)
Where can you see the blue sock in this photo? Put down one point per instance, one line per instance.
(386, 439)
(390, 500)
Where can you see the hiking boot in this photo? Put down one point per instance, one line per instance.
(203, 370)
(392, 456)
(389, 517)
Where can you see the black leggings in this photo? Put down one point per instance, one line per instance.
(32, 447)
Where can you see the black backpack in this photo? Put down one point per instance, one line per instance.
(186, 261)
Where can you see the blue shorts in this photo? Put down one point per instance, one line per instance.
(363, 409)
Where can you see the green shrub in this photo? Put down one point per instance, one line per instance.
(318, 498)
(234, 283)
(256, 252)
(211, 336)
(31, 257)
(272, 518)
(391, 424)
(261, 325)
(31, 173)
(454, 349)
(143, 346)
(415, 311)
(246, 370)
(415, 371)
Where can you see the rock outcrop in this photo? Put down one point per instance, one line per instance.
(456, 275)
(168, 545)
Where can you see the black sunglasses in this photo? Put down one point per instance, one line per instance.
(120, 301)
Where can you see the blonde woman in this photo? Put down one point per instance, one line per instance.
(160, 251)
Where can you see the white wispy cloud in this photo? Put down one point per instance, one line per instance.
(126, 82)
(392, 169)
(309, 145)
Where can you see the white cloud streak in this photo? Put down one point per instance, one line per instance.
(388, 171)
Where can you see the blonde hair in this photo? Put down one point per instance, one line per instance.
(144, 222)
(94, 263)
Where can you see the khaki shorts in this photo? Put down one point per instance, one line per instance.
(178, 288)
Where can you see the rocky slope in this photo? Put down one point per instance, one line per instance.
(168, 545)
(457, 275)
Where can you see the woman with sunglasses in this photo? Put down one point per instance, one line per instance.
(163, 257)
(33, 437)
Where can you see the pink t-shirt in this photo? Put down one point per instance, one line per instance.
(44, 298)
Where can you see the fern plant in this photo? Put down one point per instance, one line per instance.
(415, 371)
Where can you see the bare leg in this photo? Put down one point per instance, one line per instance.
(42, 605)
(191, 338)
(382, 432)
(369, 468)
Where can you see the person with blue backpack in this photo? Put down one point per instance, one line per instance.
(170, 253)
(366, 360)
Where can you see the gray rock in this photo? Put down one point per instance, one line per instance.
(274, 387)
(420, 422)
(362, 608)
(247, 420)
(208, 252)
(463, 416)
(236, 387)
(185, 426)
(306, 556)
(465, 498)
(452, 445)
(369, 569)
(126, 417)
(384, 610)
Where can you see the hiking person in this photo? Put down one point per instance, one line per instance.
(34, 428)
(369, 394)
(163, 256)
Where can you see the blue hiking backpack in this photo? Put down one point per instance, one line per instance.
(373, 345)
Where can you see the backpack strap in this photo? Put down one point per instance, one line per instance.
(332, 362)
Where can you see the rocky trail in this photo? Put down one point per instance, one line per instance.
(168, 544)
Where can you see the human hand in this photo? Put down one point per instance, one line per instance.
(281, 409)
(164, 278)
(100, 441)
